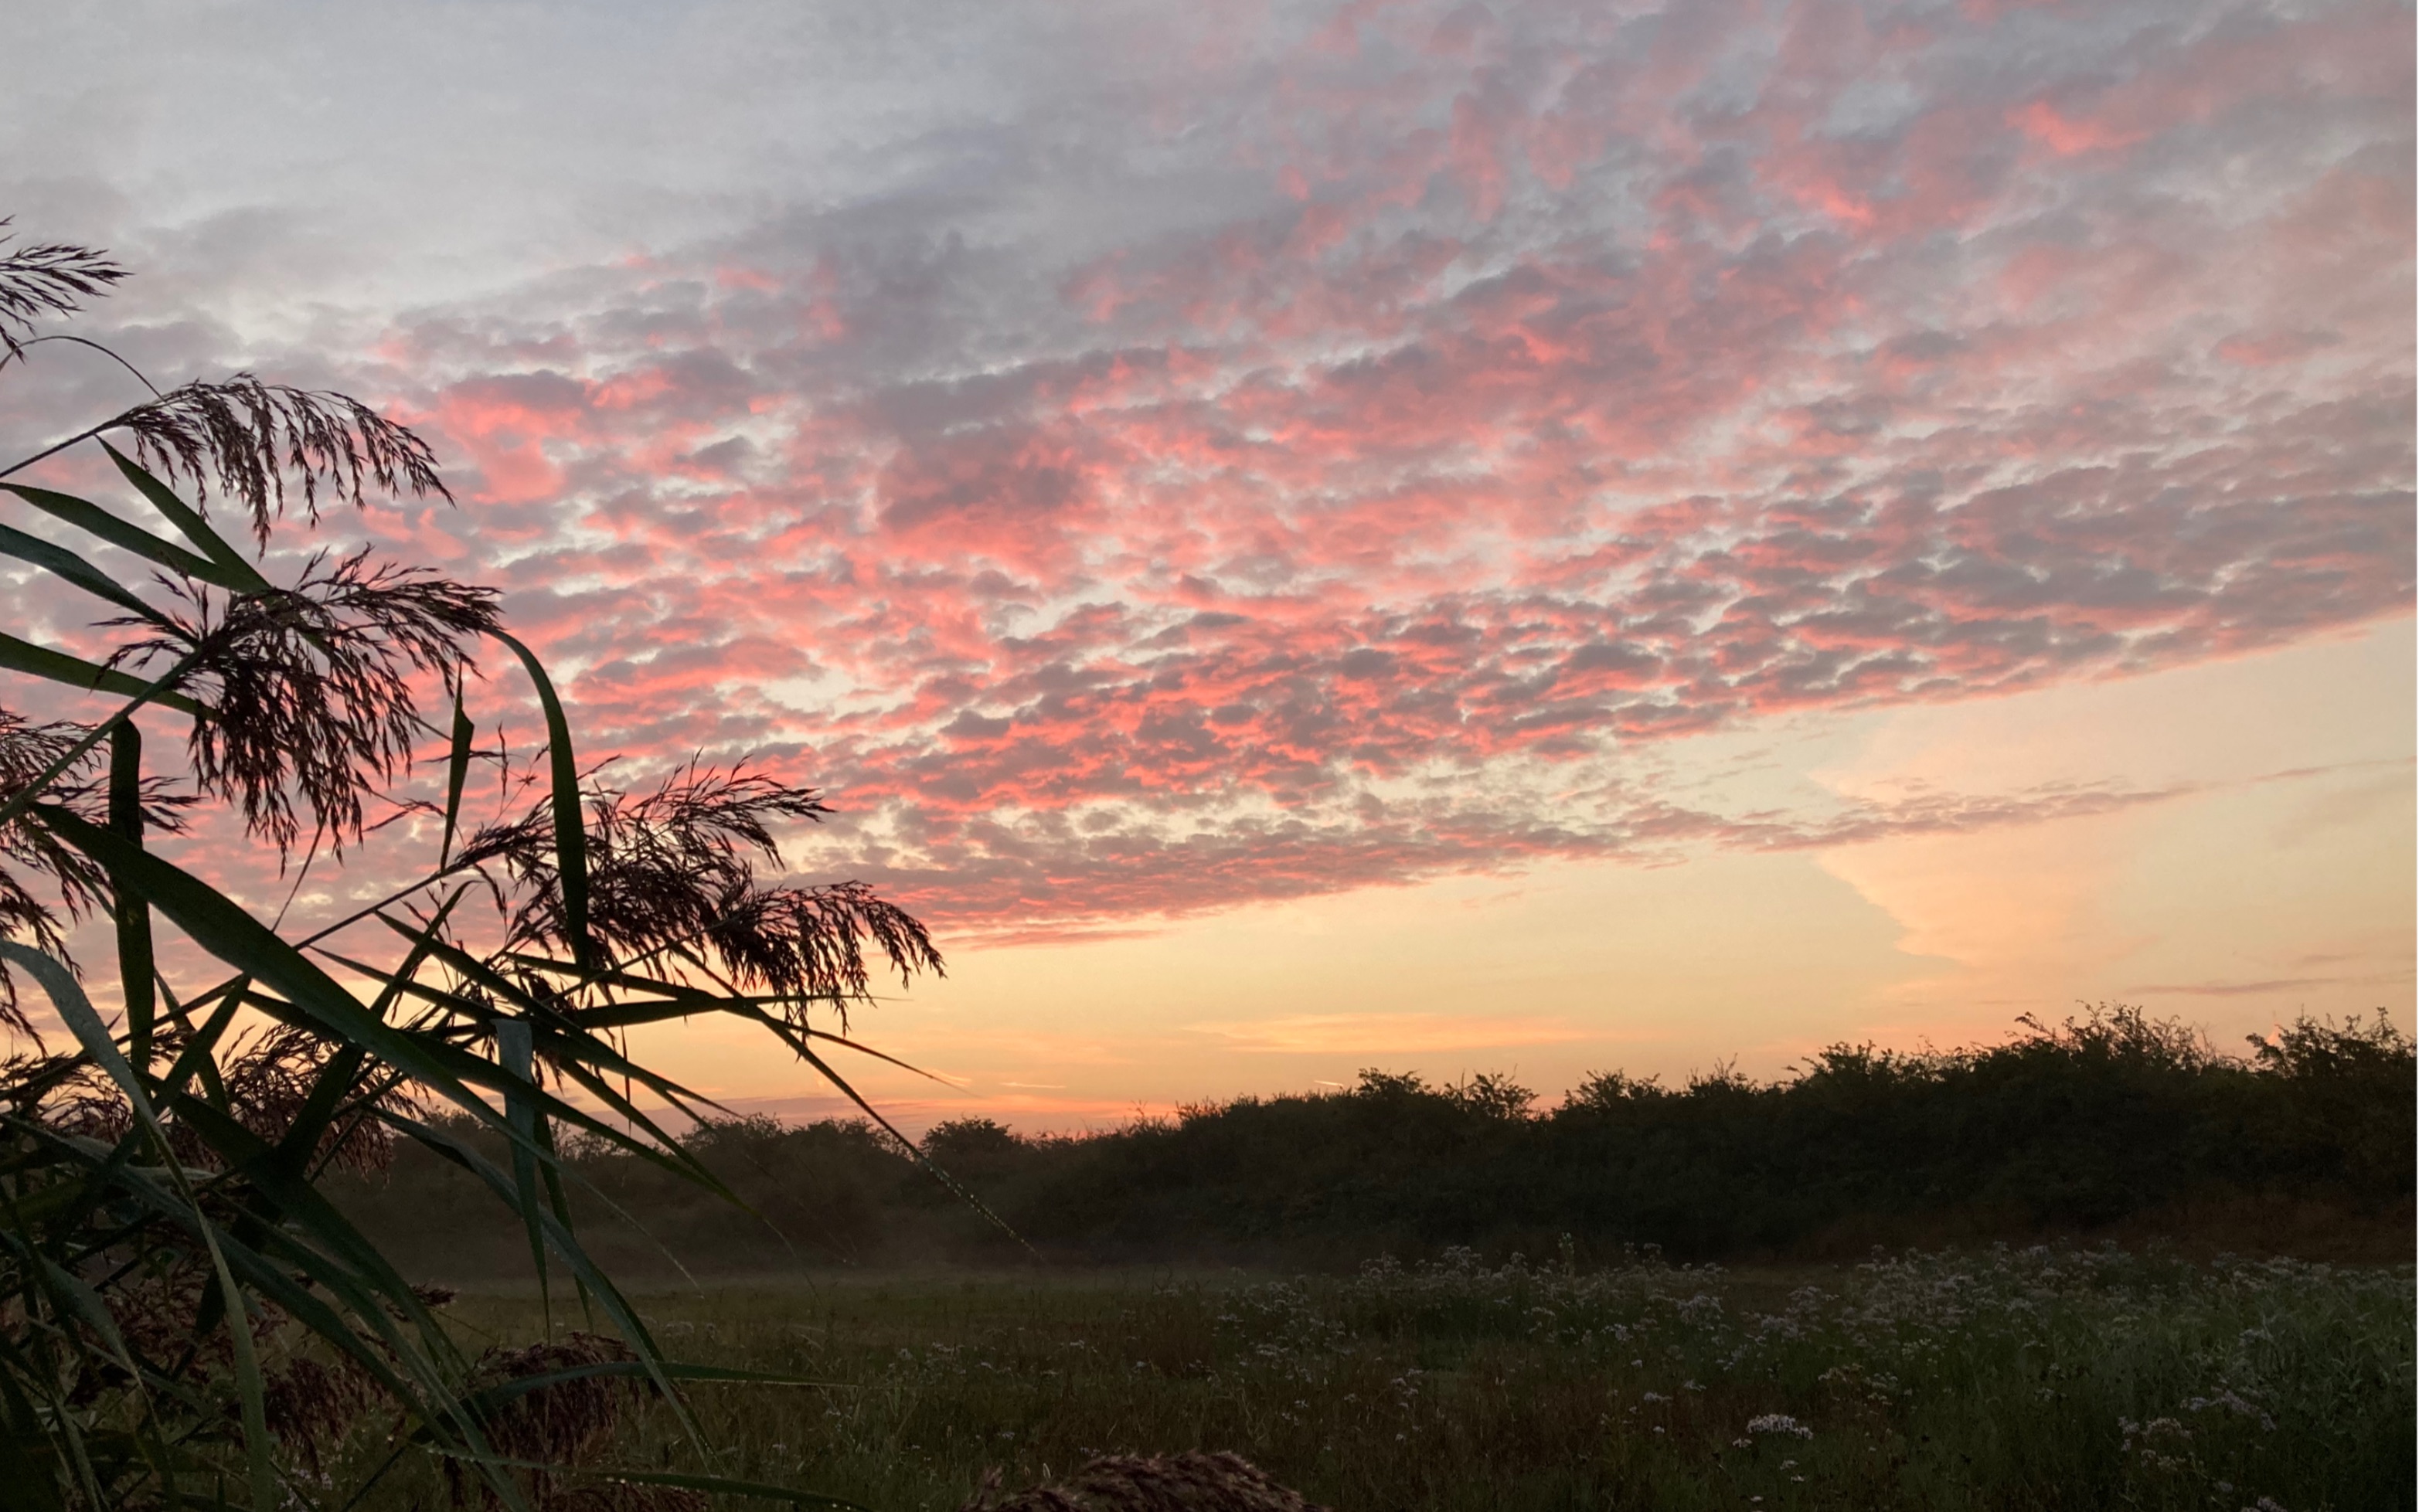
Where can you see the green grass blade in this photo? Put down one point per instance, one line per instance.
(80, 1300)
(512, 1051)
(63, 563)
(457, 769)
(797, 1042)
(131, 915)
(314, 1235)
(338, 1076)
(249, 1387)
(199, 1056)
(27, 1424)
(58, 666)
(75, 1010)
(187, 520)
(570, 826)
(94, 520)
(341, 1073)
(28, 1478)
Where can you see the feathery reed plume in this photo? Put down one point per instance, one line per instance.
(64, 1094)
(312, 1406)
(564, 1424)
(1190, 1482)
(49, 279)
(669, 872)
(246, 435)
(269, 1081)
(310, 686)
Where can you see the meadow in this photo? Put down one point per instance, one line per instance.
(2102, 1264)
(2001, 1378)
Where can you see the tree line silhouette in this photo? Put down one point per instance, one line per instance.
(2112, 1124)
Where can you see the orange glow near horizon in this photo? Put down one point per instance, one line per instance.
(2275, 880)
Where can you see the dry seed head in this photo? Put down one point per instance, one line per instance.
(311, 687)
(246, 435)
(48, 279)
(1189, 1482)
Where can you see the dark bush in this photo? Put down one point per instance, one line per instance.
(2109, 1124)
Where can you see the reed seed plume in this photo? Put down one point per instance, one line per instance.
(269, 1081)
(669, 872)
(246, 436)
(1193, 1481)
(47, 278)
(65, 1095)
(567, 1423)
(78, 886)
(311, 687)
(312, 1406)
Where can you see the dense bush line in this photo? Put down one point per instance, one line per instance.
(2113, 1123)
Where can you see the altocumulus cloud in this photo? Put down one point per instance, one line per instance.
(1278, 450)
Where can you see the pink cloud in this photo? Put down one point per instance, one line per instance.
(1562, 383)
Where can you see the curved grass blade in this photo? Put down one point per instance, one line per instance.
(570, 1044)
(81, 1298)
(457, 769)
(570, 829)
(234, 937)
(681, 1000)
(373, 1290)
(513, 1052)
(345, 1263)
(461, 1070)
(131, 915)
(61, 562)
(341, 1074)
(241, 573)
(156, 689)
(27, 1424)
(58, 666)
(805, 1050)
(126, 535)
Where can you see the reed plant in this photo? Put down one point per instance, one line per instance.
(185, 1318)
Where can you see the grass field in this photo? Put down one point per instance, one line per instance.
(2036, 1378)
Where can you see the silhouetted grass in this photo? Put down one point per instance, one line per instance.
(2110, 1125)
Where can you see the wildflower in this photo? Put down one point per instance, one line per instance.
(1779, 1422)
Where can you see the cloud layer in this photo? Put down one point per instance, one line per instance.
(1285, 450)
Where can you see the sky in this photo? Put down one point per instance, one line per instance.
(1531, 538)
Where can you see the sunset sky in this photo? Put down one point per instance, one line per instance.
(1445, 537)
